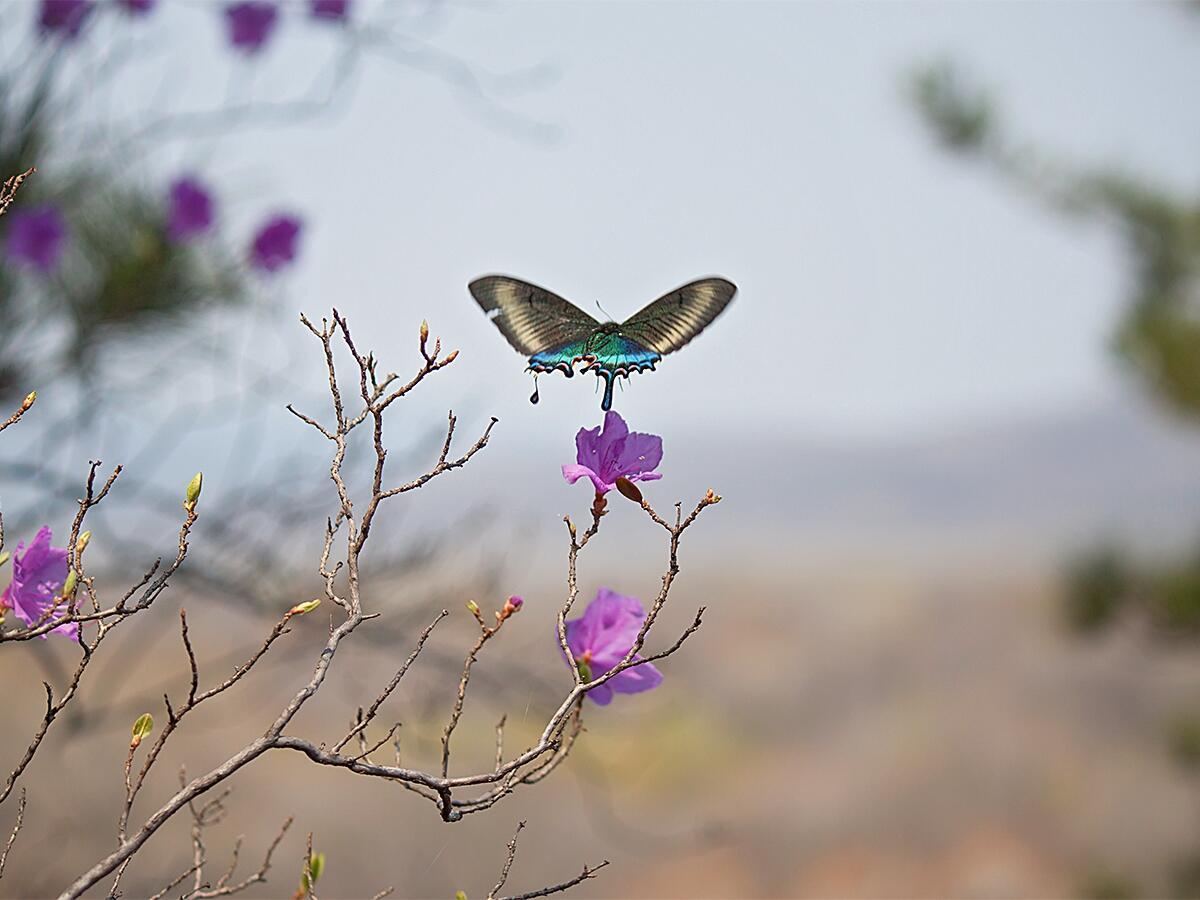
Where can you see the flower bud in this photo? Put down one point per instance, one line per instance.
(629, 489)
(710, 497)
(473, 607)
(516, 602)
(452, 357)
(424, 331)
(301, 608)
(460, 895)
(193, 491)
(81, 544)
(141, 729)
(69, 586)
(30, 399)
(316, 865)
(585, 670)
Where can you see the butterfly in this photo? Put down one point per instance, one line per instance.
(555, 334)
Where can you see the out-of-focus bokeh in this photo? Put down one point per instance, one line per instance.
(953, 641)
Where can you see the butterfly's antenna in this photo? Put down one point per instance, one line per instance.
(605, 311)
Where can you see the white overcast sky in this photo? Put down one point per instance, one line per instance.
(886, 288)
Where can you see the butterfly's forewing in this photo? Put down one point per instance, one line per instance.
(675, 318)
(533, 319)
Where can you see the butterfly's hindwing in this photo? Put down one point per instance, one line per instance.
(675, 318)
(532, 319)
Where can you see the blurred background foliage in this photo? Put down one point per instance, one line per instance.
(1157, 339)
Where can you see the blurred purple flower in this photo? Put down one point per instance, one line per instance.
(191, 209)
(616, 452)
(275, 244)
(601, 638)
(137, 7)
(250, 24)
(330, 10)
(36, 236)
(64, 17)
(38, 575)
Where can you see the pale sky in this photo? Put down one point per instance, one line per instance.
(886, 288)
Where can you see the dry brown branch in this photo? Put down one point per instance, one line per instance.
(486, 633)
(365, 720)
(342, 587)
(493, 894)
(8, 191)
(12, 837)
(508, 862)
(25, 406)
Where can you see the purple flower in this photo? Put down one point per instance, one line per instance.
(250, 24)
(38, 575)
(36, 236)
(275, 244)
(137, 7)
(329, 10)
(601, 638)
(191, 209)
(616, 452)
(63, 17)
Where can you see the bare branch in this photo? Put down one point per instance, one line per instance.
(508, 862)
(12, 837)
(8, 193)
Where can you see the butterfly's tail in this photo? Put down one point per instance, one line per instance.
(606, 403)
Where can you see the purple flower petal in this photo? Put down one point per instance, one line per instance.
(38, 575)
(36, 236)
(640, 678)
(64, 18)
(191, 209)
(615, 621)
(602, 695)
(612, 452)
(250, 24)
(602, 636)
(330, 10)
(275, 245)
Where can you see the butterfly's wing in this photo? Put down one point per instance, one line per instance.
(532, 319)
(675, 318)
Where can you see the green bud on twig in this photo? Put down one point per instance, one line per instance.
(69, 586)
(585, 670)
(193, 492)
(141, 729)
(316, 865)
(81, 544)
(30, 399)
(301, 608)
(460, 895)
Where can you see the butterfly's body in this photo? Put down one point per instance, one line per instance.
(556, 335)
